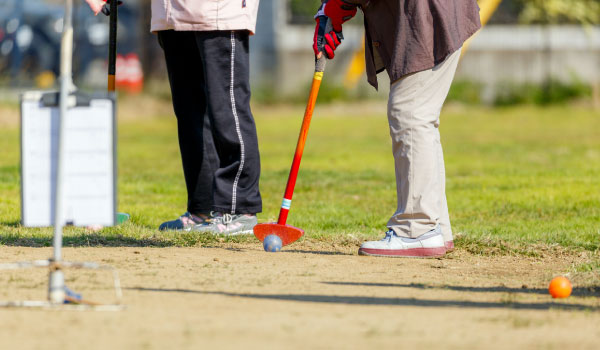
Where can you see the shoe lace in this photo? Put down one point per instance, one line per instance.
(218, 218)
(388, 235)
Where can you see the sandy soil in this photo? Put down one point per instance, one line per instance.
(307, 296)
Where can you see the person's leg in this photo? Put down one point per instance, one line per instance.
(225, 57)
(201, 200)
(414, 108)
(445, 216)
(198, 154)
(420, 224)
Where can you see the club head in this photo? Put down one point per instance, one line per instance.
(288, 234)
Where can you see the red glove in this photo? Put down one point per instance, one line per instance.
(339, 11)
(325, 42)
(336, 12)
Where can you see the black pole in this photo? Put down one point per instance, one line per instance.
(112, 45)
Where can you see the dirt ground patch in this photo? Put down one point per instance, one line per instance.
(236, 295)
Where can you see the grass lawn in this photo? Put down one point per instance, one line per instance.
(518, 179)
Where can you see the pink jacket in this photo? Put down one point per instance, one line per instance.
(204, 15)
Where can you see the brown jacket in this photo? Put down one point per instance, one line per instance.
(408, 36)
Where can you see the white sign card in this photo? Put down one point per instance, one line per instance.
(89, 186)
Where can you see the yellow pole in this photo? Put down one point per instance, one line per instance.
(356, 68)
(488, 7)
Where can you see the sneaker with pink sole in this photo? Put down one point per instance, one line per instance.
(428, 245)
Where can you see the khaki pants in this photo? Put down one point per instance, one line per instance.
(414, 108)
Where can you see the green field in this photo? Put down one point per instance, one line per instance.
(520, 179)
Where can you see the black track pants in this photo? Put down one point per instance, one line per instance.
(209, 78)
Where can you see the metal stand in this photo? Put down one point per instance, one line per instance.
(57, 291)
(68, 302)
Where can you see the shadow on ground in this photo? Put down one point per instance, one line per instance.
(363, 300)
(317, 252)
(577, 291)
(113, 237)
(84, 240)
(43, 238)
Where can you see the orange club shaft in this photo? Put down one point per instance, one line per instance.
(291, 183)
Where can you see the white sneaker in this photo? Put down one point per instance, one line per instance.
(428, 245)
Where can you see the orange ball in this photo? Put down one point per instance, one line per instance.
(560, 287)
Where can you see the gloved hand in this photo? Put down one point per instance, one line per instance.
(337, 12)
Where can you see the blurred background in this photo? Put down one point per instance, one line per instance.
(531, 51)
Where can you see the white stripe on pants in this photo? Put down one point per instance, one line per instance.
(414, 107)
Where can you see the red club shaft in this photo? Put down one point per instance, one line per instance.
(291, 183)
